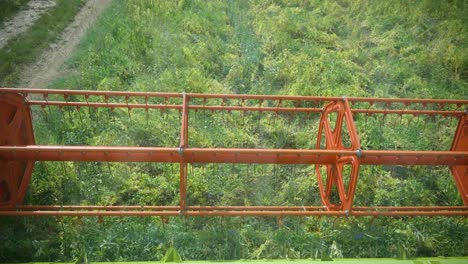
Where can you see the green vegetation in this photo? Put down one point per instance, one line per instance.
(350, 48)
(437, 260)
(171, 256)
(8, 8)
(26, 48)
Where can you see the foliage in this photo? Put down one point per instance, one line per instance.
(350, 48)
(171, 256)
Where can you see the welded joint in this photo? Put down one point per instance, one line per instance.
(25, 99)
(181, 151)
(359, 153)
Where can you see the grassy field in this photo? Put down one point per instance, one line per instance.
(340, 48)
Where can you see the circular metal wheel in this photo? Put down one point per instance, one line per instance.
(337, 181)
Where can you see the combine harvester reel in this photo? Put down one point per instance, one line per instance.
(338, 153)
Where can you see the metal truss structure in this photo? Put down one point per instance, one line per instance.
(337, 147)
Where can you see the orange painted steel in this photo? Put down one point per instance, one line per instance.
(332, 135)
(393, 213)
(15, 129)
(460, 172)
(229, 155)
(338, 150)
(232, 211)
(67, 210)
(87, 93)
(241, 108)
(183, 145)
(227, 208)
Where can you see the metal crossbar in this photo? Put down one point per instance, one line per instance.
(18, 150)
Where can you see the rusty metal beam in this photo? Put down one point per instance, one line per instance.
(183, 145)
(241, 108)
(408, 112)
(410, 208)
(227, 208)
(88, 93)
(89, 213)
(87, 153)
(236, 213)
(335, 156)
(104, 105)
(228, 155)
(97, 207)
(460, 172)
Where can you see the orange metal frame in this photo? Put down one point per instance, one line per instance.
(337, 146)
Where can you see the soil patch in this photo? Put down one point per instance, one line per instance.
(47, 68)
(22, 21)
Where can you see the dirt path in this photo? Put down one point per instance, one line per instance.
(48, 67)
(22, 21)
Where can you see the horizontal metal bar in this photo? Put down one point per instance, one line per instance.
(233, 96)
(255, 108)
(240, 108)
(229, 208)
(331, 98)
(172, 106)
(410, 208)
(86, 93)
(407, 112)
(90, 153)
(326, 213)
(105, 105)
(228, 155)
(162, 208)
(319, 110)
(235, 213)
(97, 207)
(89, 213)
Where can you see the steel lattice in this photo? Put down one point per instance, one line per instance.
(18, 152)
